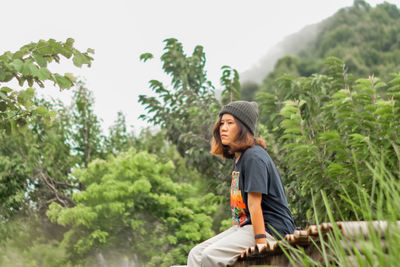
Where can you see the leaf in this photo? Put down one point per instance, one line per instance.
(34, 70)
(63, 82)
(3, 106)
(288, 110)
(17, 64)
(6, 89)
(25, 95)
(21, 81)
(43, 48)
(57, 46)
(52, 114)
(30, 92)
(26, 69)
(30, 81)
(145, 56)
(44, 74)
(66, 51)
(80, 59)
(2, 75)
(70, 76)
(41, 110)
(7, 56)
(70, 42)
(40, 60)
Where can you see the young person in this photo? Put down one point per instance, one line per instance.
(258, 202)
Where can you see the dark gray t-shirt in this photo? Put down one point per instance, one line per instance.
(258, 173)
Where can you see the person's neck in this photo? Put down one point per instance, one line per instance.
(237, 156)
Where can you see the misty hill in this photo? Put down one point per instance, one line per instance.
(366, 38)
(291, 45)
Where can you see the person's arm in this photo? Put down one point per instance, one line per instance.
(256, 214)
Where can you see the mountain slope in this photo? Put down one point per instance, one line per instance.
(366, 38)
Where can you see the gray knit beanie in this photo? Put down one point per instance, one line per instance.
(246, 112)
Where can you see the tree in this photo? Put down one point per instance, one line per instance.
(36, 164)
(119, 139)
(330, 129)
(365, 38)
(133, 206)
(248, 90)
(35, 156)
(28, 242)
(86, 130)
(230, 80)
(29, 64)
(187, 109)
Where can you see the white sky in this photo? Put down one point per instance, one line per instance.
(233, 32)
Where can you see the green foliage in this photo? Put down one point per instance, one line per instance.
(187, 110)
(379, 247)
(39, 254)
(35, 164)
(230, 80)
(327, 132)
(248, 90)
(327, 126)
(86, 132)
(365, 38)
(119, 139)
(132, 205)
(30, 243)
(146, 56)
(29, 64)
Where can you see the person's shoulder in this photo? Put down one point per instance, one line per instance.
(256, 149)
(256, 152)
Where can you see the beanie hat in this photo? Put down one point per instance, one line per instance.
(246, 112)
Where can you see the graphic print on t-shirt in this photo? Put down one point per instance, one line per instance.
(237, 205)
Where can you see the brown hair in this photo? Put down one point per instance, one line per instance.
(244, 140)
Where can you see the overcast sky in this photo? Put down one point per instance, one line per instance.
(233, 32)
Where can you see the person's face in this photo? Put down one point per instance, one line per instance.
(228, 129)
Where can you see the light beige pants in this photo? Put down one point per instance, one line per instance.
(222, 249)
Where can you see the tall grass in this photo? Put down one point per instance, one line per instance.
(377, 247)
